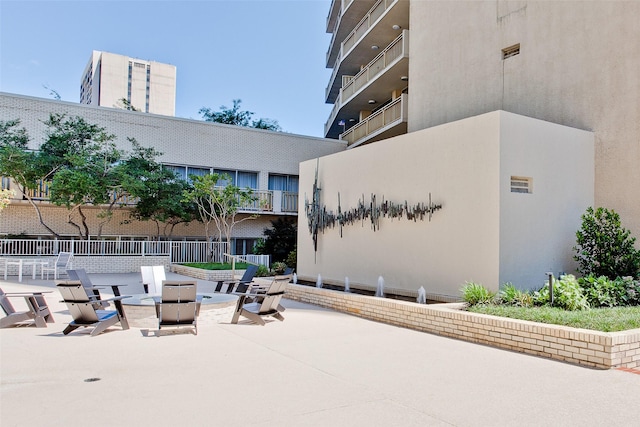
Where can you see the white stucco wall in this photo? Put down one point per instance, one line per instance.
(464, 165)
(559, 160)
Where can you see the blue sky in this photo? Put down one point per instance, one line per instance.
(268, 53)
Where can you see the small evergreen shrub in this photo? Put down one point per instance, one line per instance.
(567, 294)
(475, 293)
(263, 271)
(604, 247)
(278, 267)
(292, 259)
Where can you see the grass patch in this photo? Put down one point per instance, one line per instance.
(598, 319)
(216, 265)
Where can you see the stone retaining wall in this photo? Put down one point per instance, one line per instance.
(602, 350)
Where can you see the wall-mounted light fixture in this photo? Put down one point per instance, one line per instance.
(352, 119)
(396, 27)
(404, 78)
(372, 101)
(375, 47)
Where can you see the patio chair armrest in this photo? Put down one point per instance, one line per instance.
(25, 294)
(116, 298)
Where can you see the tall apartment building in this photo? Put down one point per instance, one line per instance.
(404, 65)
(512, 116)
(147, 86)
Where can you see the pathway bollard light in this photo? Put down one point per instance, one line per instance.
(550, 288)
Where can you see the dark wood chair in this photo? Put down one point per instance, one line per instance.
(230, 286)
(261, 302)
(82, 306)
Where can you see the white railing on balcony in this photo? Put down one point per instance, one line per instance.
(393, 112)
(391, 53)
(272, 201)
(289, 202)
(263, 201)
(43, 192)
(363, 26)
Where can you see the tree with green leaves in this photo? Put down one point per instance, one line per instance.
(87, 171)
(237, 117)
(158, 192)
(219, 204)
(25, 167)
(604, 247)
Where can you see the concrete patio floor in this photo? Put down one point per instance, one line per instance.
(317, 368)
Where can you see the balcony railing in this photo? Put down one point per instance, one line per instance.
(363, 26)
(398, 48)
(392, 114)
(265, 200)
(384, 59)
(289, 202)
(272, 201)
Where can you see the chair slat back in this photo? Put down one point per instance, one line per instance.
(249, 273)
(178, 303)
(72, 291)
(274, 294)
(80, 306)
(179, 291)
(7, 307)
(63, 259)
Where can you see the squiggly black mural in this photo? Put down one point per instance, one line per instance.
(320, 219)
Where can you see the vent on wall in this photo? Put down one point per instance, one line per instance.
(521, 184)
(510, 51)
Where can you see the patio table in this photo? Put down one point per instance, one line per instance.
(24, 262)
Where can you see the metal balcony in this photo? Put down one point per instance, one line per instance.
(375, 82)
(378, 27)
(384, 123)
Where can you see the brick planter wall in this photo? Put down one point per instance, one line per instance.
(117, 264)
(603, 350)
(201, 274)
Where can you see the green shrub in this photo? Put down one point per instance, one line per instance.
(602, 292)
(263, 271)
(632, 290)
(475, 293)
(567, 294)
(278, 267)
(510, 295)
(604, 247)
(292, 259)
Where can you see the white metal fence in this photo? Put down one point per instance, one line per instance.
(178, 251)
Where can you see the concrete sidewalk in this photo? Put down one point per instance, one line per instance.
(317, 368)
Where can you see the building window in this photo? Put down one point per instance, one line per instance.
(243, 246)
(240, 179)
(521, 184)
(283, 183)
(510, 51)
